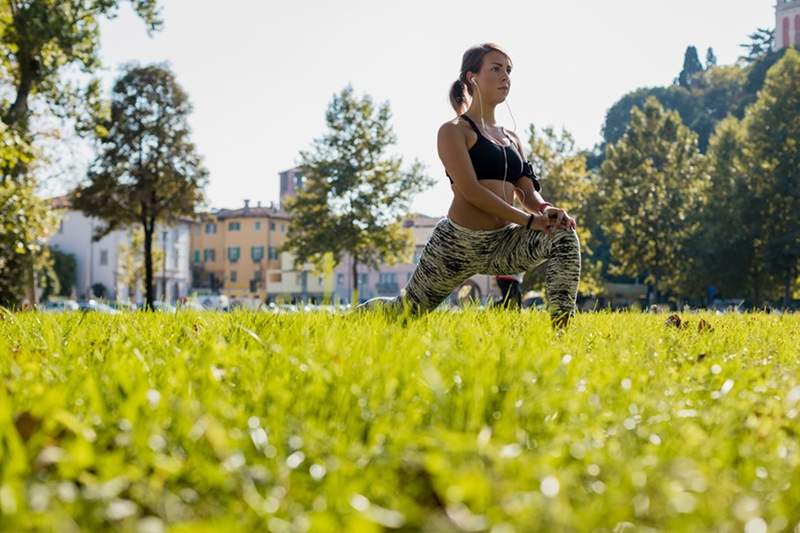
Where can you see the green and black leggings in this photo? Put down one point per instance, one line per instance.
(455, 253)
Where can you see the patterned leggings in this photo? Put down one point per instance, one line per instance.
(455, 253)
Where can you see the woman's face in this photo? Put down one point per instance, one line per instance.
(494, 77)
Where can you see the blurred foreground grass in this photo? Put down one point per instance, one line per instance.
(473, 421)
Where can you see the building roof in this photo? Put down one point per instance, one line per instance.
(252, 212)
(60, 202)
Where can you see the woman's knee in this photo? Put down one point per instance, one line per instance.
(566, 237)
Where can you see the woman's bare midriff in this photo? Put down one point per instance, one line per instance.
(465, 214)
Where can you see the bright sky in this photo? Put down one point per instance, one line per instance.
(261, 73)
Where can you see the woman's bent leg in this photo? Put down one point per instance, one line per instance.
(521, 250)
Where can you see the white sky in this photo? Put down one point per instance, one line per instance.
(261, 73)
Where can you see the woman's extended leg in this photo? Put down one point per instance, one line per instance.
(452, 255)
(519, 249)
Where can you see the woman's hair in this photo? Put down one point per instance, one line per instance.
(471, 62)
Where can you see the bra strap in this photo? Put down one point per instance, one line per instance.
(474, 127)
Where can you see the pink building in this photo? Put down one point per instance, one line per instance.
(787, 24)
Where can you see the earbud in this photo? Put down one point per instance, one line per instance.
(473, 81)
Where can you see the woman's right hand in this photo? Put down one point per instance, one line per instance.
(545, 222)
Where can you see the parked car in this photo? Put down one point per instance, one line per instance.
(56, 306)
(97, 307)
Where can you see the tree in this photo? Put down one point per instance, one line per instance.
(44, 40)
(131, 264)
(772, 155)
(25, 223)
(355, 195)
(651, 181)
(691, 67)
(761, 44)
(711, 58)
(66, 268)
(148, 170)
(566, 183)
(43, 45)
(726, 245)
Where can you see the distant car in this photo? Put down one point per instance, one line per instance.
(97, 307)
(730, 304)
(56, 306)
(191, 305)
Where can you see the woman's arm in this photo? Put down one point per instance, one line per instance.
(454, 156)
(530, 198)
(533, 201)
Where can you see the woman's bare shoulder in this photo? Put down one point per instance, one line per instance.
(453, 128)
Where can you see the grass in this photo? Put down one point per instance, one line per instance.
(470, 421)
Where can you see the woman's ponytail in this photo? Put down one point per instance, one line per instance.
(458, 97)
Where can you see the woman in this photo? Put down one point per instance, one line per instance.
(483, 231)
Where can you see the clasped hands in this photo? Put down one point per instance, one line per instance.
(552, 218)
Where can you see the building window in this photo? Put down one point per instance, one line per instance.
(233, 226)
(103, 257)
(257, 253)
(271, 225)
(258, 225)
(272, 253)
(363, 279)
(233, 276)
(786, 39)
(197, 256)
(211, 228)
(797, 31)
(276, 277)
(209, 255)
(283, 228)
(233, 254)
(387, 277)
(339, 280)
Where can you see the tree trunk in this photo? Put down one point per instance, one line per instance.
(19, 109)
(148, 267)
(354, 297)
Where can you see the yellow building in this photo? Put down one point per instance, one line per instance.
(236, 252)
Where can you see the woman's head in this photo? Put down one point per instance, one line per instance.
(485, 68)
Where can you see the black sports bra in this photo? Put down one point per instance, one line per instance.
(489, 164)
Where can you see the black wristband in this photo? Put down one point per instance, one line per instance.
(530, 219)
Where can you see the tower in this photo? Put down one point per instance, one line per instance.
(787, 24)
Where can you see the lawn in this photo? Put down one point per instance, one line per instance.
(456, 421)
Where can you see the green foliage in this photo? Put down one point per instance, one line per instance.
(566, 183)
(691, 67)
(711, 58)
(730, 230)
(760, 45)
(772, 158)
(43, 41)
(65, 269)
(310, 422)
(148, 169)
(715, 93)
(355, 195)
(25, 223)
(650, 182)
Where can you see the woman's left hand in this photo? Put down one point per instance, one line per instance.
(560, 218)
